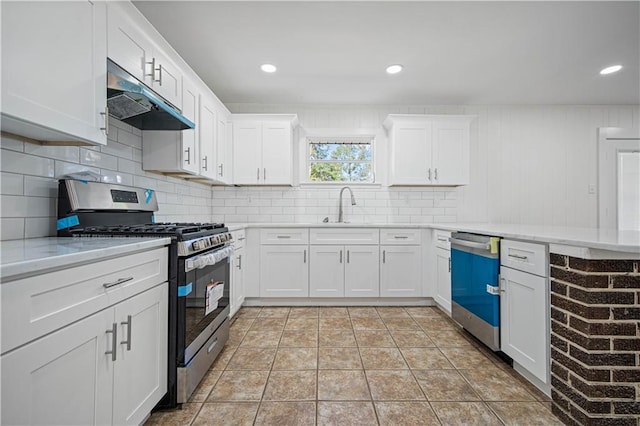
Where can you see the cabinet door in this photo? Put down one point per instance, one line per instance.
(443, 278)
(247, 152)
(54, 73)
(400, 271)
(410, 154)
(326, 271)
(167, 78)
(284, 271)
(450, 153)
(222, 169)
(523, 320)
(128, 45)
(62, 378)
(276, 153)
(237, 280)
(140, 373)
(362, 271)
(190, 151)
(207, 138)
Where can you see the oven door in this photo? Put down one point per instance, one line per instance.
(203, 300)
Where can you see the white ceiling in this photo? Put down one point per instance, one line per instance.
(453, 52)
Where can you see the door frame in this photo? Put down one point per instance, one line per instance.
(611, 141)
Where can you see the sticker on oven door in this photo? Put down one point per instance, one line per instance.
(148, 193)
(183, 290)
(215, 291)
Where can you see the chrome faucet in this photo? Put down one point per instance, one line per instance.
(353, 202)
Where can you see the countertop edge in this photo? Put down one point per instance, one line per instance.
(29, 267)
(543, 235)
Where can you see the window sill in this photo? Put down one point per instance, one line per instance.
(307, 185)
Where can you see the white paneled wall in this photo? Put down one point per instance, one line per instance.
(30, 189)
(529, 164)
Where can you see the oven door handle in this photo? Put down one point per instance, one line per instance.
(208, 259)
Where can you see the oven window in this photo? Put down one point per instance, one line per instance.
(197, 318)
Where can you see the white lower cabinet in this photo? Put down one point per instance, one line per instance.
(344, 271)
(523, 319)
(108, 368)
(400, 271)
(284, 271)
(236, 289)
(443, 278)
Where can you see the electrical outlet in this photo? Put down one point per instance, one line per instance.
(592, 189)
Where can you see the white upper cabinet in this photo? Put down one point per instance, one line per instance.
(135, 45)
(54, 73)
(208, 122)
(175, 151)
(429, 149)
(262, 149)
(223, 147)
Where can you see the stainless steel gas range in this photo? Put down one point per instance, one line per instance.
(199, 273)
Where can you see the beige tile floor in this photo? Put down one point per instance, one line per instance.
(357, 366)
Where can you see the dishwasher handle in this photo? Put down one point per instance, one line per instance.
(470, 244)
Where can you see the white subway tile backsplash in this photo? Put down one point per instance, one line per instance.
(98, 159)
(63, 168)
(65, 153)
(11, 184)
(117, 149)
(18, 162)
(40, 187)
(13, 206)
(36, 227)
(12, 143)
(11, 228)
(129, 139)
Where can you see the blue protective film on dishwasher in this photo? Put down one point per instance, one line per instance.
(67, 222)
(183, 290)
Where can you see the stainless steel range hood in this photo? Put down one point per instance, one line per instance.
(134, 103)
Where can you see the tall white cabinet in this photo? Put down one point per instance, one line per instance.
(429, 149)
(54, 70)
(263, 149)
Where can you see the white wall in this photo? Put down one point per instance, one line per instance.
(29, 191)
(530, 164)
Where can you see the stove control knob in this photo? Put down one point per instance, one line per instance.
(229, 237)
(214, 239)
(196, 245)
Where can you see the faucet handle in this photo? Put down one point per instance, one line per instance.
(325, 220)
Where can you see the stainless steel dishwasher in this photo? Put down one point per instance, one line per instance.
(475, 295)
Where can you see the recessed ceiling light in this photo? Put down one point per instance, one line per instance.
(394, 69)
(611, 69)
(268, 68)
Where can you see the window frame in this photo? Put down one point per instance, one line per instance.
(354, 139)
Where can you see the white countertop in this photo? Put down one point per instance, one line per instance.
(37, 255)
(602, 239)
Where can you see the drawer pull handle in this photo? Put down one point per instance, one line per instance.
(305, 256)
(340, 256)
(128, 341)
(116, 282)
(384, 256)
(517, 256)
(211, 346)
(114, 341)
(283, 236)
(400, 237)
(442, 239)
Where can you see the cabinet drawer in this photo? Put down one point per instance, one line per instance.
(35, 306)
(527, 257)
(239, 238)
(400, 236)
(441, 239)
(284, 236)
(344, 236)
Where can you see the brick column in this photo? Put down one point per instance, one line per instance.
(595, 341)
